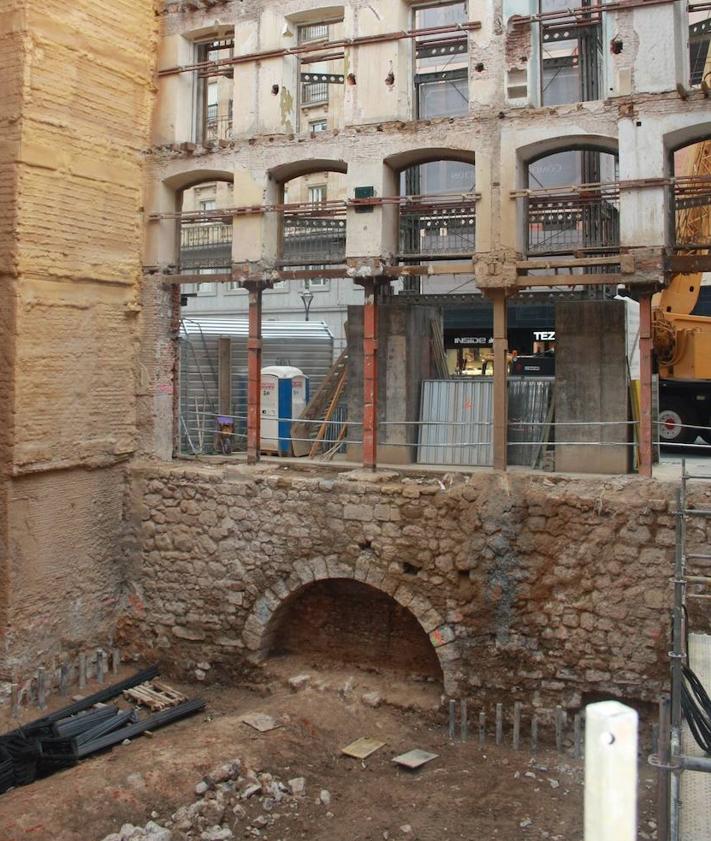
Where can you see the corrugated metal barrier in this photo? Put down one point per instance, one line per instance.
(457, 417)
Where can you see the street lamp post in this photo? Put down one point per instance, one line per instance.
(307, 297)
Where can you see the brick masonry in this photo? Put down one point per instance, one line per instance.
(548, 589)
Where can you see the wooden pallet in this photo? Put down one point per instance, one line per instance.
(155, 695)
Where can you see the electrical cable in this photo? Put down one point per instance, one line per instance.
(696, 706)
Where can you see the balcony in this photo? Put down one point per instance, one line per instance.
(435, 227)
(217, 128)
(584, 221)
(313, 235)
(205, 246)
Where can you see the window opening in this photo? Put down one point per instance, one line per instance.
(691, 199)
(437, 213)
(571, 54)
(313, 231)
(205, 237)
(215, 91)
(442, 63)
(321, 73)
(700, 46)
(563, 221)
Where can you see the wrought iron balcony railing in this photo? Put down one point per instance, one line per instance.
(205, 245)
(433, 227)
(217, 128)
(313, 236)
(587, 220)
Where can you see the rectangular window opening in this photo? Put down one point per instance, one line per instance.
(442, 62)
(571, 55)
(215, 91)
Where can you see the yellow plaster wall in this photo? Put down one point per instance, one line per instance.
(77, 84)
(88, 89)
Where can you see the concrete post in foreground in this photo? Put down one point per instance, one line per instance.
(501, 346)
(610, 772)
(370, 375)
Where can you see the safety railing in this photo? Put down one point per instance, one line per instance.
(432, 227)
(584, 220)
(217, 128)
(313, 235)
(691, 203)
(205, 245)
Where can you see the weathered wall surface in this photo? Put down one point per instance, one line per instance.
(545, 588)
(81, 77)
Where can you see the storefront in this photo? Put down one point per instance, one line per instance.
(469, 338)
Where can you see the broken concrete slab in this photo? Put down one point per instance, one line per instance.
(362, 748)
(259, 721)
(415, 758)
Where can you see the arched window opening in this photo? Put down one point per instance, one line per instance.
(573, 204)
(700, 45)
(314, 223)
(571, 53)
(214, 100)
(341, 621)
(441, 61)
(437, 211)
(205, 234)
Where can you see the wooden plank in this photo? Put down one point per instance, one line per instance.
(224, 376)
(569, 262)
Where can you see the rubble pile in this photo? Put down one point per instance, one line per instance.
(231, 801)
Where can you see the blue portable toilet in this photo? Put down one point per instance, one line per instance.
(285, 394)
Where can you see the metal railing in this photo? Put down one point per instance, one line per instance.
(313, 236)
(205, 245)
(444, 228)
(584, 221)
(691, 202)
(217, 128)
(314, 93)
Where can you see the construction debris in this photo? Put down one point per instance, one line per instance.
(155, 695)
(362, 748)
(65, 737)
(415, 758)
(259, 721)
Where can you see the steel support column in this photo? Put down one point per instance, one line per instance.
(645, 384)
(501, 346)
(370, 375)
(254, 373)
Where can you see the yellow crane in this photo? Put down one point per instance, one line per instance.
(682, 341)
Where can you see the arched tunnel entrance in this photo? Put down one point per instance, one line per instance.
(342, 621)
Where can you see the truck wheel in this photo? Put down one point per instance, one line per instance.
(674, 420)
(706, 433)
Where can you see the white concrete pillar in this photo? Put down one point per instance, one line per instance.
(643, 211)
(656, 65)
(610, 772)
(173, 120)
(254, 236)
(372, 99)
(161, 241)
(373, 233)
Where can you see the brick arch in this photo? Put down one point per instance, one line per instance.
(262, 622)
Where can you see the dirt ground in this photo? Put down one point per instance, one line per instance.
(468, 793)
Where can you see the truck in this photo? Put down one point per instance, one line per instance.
(681, 333)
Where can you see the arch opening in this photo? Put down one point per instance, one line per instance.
(342, 621)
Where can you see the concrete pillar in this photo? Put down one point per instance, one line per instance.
(173, 120)
(255, 236)
(644, 212)
(372, 231)
(610, 772)
(254, 373)
(591, 388)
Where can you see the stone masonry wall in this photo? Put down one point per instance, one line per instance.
(546, 589)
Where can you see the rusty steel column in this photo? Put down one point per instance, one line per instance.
(370, 375)
(645, 384)
(254, 373)
(501, 346)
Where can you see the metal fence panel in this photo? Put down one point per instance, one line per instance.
(456, 418)
(529, 402)
(305, 345)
